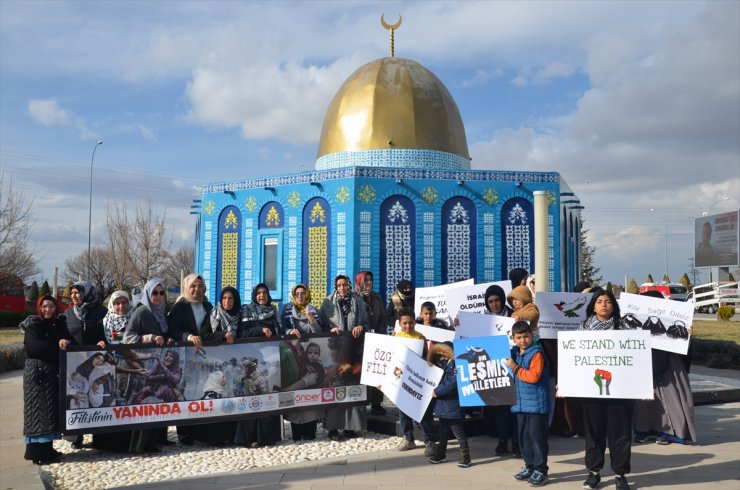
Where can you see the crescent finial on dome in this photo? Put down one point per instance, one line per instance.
(391, 28)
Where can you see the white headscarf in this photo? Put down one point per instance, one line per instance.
(113, 324)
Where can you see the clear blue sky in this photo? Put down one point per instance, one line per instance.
(636, 104)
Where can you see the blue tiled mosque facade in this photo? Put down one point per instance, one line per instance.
(433, 224)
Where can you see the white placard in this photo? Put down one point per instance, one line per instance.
(410, 381)
(470, 298)
(605, 364)
(436, 294)
(435, 334)
(378, 355)
(560, 311)
(667, 320)
(482, 325)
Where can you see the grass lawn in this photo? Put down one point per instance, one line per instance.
(11, 335)
(716, 330)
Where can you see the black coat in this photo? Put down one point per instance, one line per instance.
(41, 375)
(89, 330)
(181, 320)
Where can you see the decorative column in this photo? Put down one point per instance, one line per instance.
(541, 241)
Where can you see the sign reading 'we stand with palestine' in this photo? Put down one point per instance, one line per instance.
(605, 364)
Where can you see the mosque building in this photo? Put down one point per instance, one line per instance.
(392, 192)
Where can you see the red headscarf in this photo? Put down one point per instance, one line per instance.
(38, 307)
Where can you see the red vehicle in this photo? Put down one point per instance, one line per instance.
(12, 298)
(661, 288)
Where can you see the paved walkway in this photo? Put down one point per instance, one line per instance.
(711, 464)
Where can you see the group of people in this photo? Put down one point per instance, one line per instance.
(526, 425)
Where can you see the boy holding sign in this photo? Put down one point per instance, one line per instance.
(407, 322)
(532, 403)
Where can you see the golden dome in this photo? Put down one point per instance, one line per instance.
(393, 103)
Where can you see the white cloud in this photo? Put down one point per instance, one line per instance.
(48, 113)
(482, 76)
(148, 134)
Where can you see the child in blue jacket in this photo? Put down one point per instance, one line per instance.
(447, 405)
(532, 405)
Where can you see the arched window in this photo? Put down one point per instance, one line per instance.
(459, 233)
(316, 240)
(227, 271)
(517, 226)
(271, 220)
(397, 242)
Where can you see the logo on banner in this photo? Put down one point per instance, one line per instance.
(355, 393)
(255, 404)
(301, 398)
(285, 400)
(227, 406)
(341, 392)
(327, 395)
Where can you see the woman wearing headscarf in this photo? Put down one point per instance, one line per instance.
(149, 325)
(607, 421)
(188, 316)
(377, 321)
(44, 335)
(223, 324)
(344, 311)
(299, 318)
(222, 327)
(402, 298)
(506, 427)
(518, 277)
(191, 311)
(85, 318)
(85, 323)
(119, 313)
(258, 319)
(669, 417)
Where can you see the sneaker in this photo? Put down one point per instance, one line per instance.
(537, 479)
(639, 439)
(523, 474)
(334, 435)
(500, 449)
(662, 441)
(438, 458)
(464, 460)
(350, 434)
(430, 449)
(516, 453)
(406, 445)
(621, 483)
(593, 480)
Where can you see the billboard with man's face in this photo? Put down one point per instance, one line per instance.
(716, 240)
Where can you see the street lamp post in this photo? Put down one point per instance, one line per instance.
(89, 216)
(714, 204)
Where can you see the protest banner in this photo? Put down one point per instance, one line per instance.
(470, 297)
(560, 311)
(481, 325)
(435, 334)
(410, 381)
(436, 294)
(378, 355)
(482, 375)
(140, 386)
(667, 321)
(605, 364)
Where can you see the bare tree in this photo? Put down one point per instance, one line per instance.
(16, 253)
(140, 243)
(100, 275)
(182, 259)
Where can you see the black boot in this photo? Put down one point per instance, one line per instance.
(464, 460)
